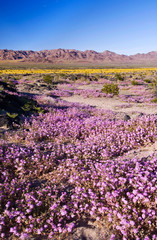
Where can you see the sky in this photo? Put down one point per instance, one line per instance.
(122, 26)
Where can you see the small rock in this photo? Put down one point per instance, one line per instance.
(127, 117)
(141, 114)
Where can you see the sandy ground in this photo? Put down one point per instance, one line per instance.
(114, 104)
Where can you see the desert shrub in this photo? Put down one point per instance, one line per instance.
(17, 77)
(111, 88)
(27, 106)
(48, 79)
(98, 76)
(62, 75)
(153, 85)
(119, 77)
(73, 77)
(56, 77)
(12, 115)
(154, 100)
(134, 82)
(83, 78)
(95, 78)
(31, 106)
(103, 76)
(147, 80)
(141, 75)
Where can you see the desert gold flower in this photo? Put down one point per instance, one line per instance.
(77, 71)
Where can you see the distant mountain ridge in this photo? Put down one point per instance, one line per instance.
(64, 56)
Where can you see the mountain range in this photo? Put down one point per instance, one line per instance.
(67, 56)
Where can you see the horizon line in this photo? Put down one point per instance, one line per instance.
(77, 50)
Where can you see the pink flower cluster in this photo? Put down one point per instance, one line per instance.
(69, 169)
(86, 93)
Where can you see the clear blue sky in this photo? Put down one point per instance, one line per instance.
(122, 26)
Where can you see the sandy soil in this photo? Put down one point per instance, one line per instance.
(114, 104)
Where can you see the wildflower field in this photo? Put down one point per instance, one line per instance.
(70, 162)
(77, 71)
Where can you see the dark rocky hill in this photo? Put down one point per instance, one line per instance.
(63, 56)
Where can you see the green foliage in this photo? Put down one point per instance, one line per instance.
(111, 88)
(48, 79)
(119, 77)
(134, 82)
(62, 75)
(17, 77)
(147, 80)
(154, 83)
(28, 106)
(38, 109)
(31, 106)
(73, 77)
(12, 115)
(95, 78)
(154, 100)
(104, 76)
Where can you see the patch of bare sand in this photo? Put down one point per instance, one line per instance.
(91, 231)
(114, 104)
